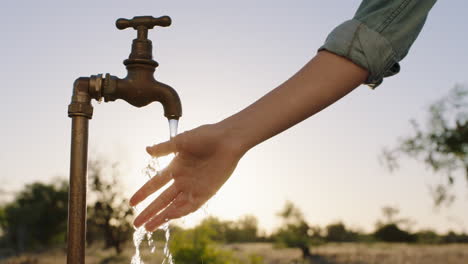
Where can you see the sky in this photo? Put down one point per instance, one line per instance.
(221, 56)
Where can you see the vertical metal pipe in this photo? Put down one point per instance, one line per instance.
(77, 192)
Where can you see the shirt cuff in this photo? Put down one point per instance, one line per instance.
(365, 47)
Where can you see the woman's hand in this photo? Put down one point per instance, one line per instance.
(205, 159)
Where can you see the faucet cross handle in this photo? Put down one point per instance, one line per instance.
(142, 24)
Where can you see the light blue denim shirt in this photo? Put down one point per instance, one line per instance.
(380, 35)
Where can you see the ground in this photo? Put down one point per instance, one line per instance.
(349, 253)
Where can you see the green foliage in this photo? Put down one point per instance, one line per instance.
(200, 244)
(442, 145)
(428, 237)
(390, 214)
(37, 217)
(295, 231)
(452, 237)
(294, 235)
(110, 215)
(3, 221)
(337, 232)
(217, 230)
(255, 259)
(388, 229)
(392, 233)
(243, 230)
(195, 246)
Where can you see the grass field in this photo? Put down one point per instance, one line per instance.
(350, 253)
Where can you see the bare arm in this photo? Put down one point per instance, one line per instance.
(321, 82)
(207, 156)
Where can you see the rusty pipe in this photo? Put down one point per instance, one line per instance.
(80, 110)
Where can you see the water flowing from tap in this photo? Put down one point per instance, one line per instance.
(138, 237)
(140, 233)
(173, 124)
(167, 251)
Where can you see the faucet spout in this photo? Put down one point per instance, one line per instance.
(139, 88)
(170, 101)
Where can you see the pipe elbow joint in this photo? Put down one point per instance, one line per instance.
(81, 100)
(81, 90)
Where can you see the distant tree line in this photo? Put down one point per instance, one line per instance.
(296, 232)
(36, 219)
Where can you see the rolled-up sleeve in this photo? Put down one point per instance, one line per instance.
(380, 35)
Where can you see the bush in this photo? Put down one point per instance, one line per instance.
(391, 233)
(428, 237)
(195, 246)
(295, 231)
(452, 237)
(338, 233)
(243, 230)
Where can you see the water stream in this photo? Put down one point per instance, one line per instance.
(151, 169)
(173, 124)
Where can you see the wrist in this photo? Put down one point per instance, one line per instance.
(233, 136)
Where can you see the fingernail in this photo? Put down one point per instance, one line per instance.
(133, 201)
(139, 220)
(136, 223)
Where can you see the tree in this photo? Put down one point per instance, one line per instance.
(442, 145)
(390, 217)
(392, 233)
(243, 230)
(428, 237)
(247, 228)
(388, 229)
(37, 217)
(197, 245)
(218, 230)
(109, 216)
(295, 231)
(337, 232)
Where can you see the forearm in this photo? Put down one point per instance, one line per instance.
(320, 83)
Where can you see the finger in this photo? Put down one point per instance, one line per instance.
(162, 149)
(157, 205)
(180, 207)
(154, 184)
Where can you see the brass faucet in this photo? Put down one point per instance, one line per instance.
(139, 88)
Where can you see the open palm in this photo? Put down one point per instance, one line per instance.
(204, 161)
